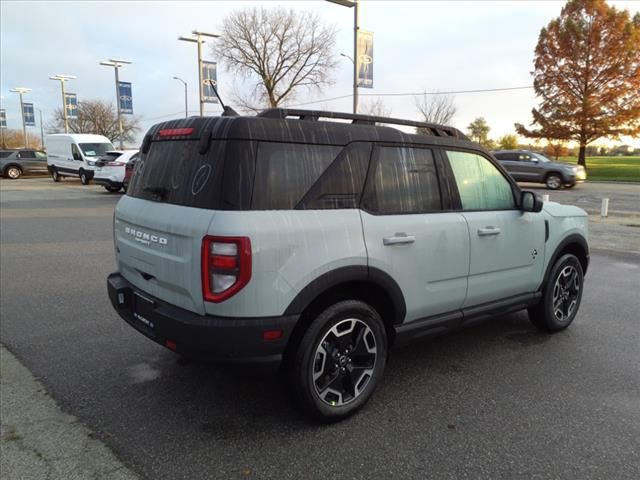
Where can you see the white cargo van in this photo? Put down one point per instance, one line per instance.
(74, 154)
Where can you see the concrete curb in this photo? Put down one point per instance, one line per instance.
(38, 440)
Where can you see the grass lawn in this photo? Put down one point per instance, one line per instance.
(622, 169)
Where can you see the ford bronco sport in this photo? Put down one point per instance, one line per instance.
(321, 240)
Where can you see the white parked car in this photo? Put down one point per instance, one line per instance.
(111, 167)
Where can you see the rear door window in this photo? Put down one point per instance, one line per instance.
(402, 180)
(285, 172)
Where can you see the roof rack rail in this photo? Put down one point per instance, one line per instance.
(357, 119)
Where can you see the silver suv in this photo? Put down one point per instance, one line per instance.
(320, 240)
(526, 166)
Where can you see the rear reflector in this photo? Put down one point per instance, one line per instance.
(170, 344)
(271, 335)
(175, 132)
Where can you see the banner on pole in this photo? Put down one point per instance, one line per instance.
(365, 59)
(3, 118)
(71, 104)
(29, 115)
(125, 98)
(209, 74)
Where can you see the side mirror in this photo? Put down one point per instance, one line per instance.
(530, 202)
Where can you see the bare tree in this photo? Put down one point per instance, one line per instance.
(376, 108)
(11, 138)
(439, 109)
(99, 117)
(280, 51)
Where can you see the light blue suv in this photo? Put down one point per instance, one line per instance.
(320, 244)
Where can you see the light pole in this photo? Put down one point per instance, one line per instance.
(353, 4)
(199, 40)
(186, 111)
(41, 129)
(21, 91)
(62, 79)
(116, 64)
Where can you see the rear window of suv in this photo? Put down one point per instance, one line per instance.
(175, 172)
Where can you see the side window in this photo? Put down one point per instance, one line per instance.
(402, 180)
(41, 155)
(480, 183)
(340, 186)
(75, 153)
(27, 154)
(286, 171)
(524, 157)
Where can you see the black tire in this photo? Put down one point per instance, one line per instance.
(353, 363)
(111, 189)
(569, 185)
(553, 181)
(564, 286)
(84, 177)
(13, 172)
(55, 176)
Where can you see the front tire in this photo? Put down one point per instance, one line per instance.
(84, 177)
(553, 181)
(339, 361)
(13, 172)
(561, 296)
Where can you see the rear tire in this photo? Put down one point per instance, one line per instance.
(55, 176)
(561, 296)
(339, 361)
(84, 177)
(111, 189)
(553, 181)
(13, 172)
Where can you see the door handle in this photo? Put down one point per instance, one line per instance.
(398, 239)
(488, 231)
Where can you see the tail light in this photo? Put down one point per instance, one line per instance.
(226, 266)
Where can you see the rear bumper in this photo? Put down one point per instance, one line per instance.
(107, 182)
(201, 337)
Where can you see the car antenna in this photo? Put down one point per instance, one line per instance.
(226, 111)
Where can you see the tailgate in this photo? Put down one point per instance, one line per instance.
(158, 248)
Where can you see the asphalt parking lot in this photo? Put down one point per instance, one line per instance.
(498, 400)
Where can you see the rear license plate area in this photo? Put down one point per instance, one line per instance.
(143, 309)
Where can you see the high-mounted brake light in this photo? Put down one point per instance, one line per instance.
(175, 132)
(226, 266)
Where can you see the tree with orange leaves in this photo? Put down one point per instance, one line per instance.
(587, 74)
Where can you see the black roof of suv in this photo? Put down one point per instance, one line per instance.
(224, 153)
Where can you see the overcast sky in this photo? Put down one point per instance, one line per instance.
(418, 46)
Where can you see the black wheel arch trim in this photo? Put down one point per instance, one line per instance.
(348, 274)
(569, 240)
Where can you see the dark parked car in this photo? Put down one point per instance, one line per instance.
(128, 172)
(15, 163)
(526, 166)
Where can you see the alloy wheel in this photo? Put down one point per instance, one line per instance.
(565, 293)
(344, 362)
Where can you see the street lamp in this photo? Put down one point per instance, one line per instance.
(352, 4)
(21, 91)
(62, 79)
(116, 64)
(199, 40)
(41, 129)
(186, 111)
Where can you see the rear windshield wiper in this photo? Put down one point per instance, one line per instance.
(160, 192)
